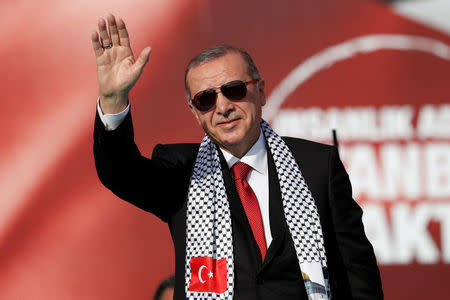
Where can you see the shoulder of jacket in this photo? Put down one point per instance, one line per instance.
(181, 153)
(181, 147)
(306, 145)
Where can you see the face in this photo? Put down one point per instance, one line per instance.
(234, 125)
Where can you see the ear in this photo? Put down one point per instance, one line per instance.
(194, 112)
(262, 91)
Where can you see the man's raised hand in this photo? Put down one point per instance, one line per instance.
(117, 69)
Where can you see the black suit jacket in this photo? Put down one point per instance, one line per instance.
(159, 185)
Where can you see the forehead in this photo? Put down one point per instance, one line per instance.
(231, 66)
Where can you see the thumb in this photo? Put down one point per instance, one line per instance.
(143, 59)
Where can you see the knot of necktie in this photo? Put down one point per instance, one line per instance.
(240, 170)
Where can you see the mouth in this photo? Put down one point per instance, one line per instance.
(228, 123)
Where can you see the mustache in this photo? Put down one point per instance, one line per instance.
(233, 115)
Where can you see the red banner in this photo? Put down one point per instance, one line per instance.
(380, 80)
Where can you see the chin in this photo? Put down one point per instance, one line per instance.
(230, 142)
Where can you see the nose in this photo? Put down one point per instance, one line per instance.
(223, 105)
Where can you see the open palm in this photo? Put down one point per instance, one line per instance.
(117, 69)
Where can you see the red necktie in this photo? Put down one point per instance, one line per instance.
(250, 204)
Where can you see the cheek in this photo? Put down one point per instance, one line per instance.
(251, 112)
(206, 122)
(202, 118)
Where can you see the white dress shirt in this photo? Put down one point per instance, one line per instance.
(112, 121)
(258, 178)
(256, 157)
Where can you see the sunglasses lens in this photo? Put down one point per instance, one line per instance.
(204, 100)
(234, 90)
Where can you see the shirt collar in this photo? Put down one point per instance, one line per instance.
(256, 157)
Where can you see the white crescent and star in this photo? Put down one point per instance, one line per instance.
(210, 274)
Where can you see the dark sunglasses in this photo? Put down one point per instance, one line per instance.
(234, 90)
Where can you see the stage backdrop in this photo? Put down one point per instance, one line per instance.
(380, 80)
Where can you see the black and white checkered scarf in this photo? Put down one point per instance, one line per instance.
(209, 230)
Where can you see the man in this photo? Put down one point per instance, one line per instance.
(252, 215)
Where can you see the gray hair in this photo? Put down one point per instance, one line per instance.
(215, 52)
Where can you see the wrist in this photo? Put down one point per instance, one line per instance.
(113, 104)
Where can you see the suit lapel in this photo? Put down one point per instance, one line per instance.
(276, 213)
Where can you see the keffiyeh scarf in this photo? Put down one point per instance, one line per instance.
(209, 269)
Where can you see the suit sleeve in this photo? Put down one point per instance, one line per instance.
(357, 252)
(155, 185)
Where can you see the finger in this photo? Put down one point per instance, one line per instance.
(104, 36)
(123, 33)
(113, 30)
(96, 44)
(142, 59)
